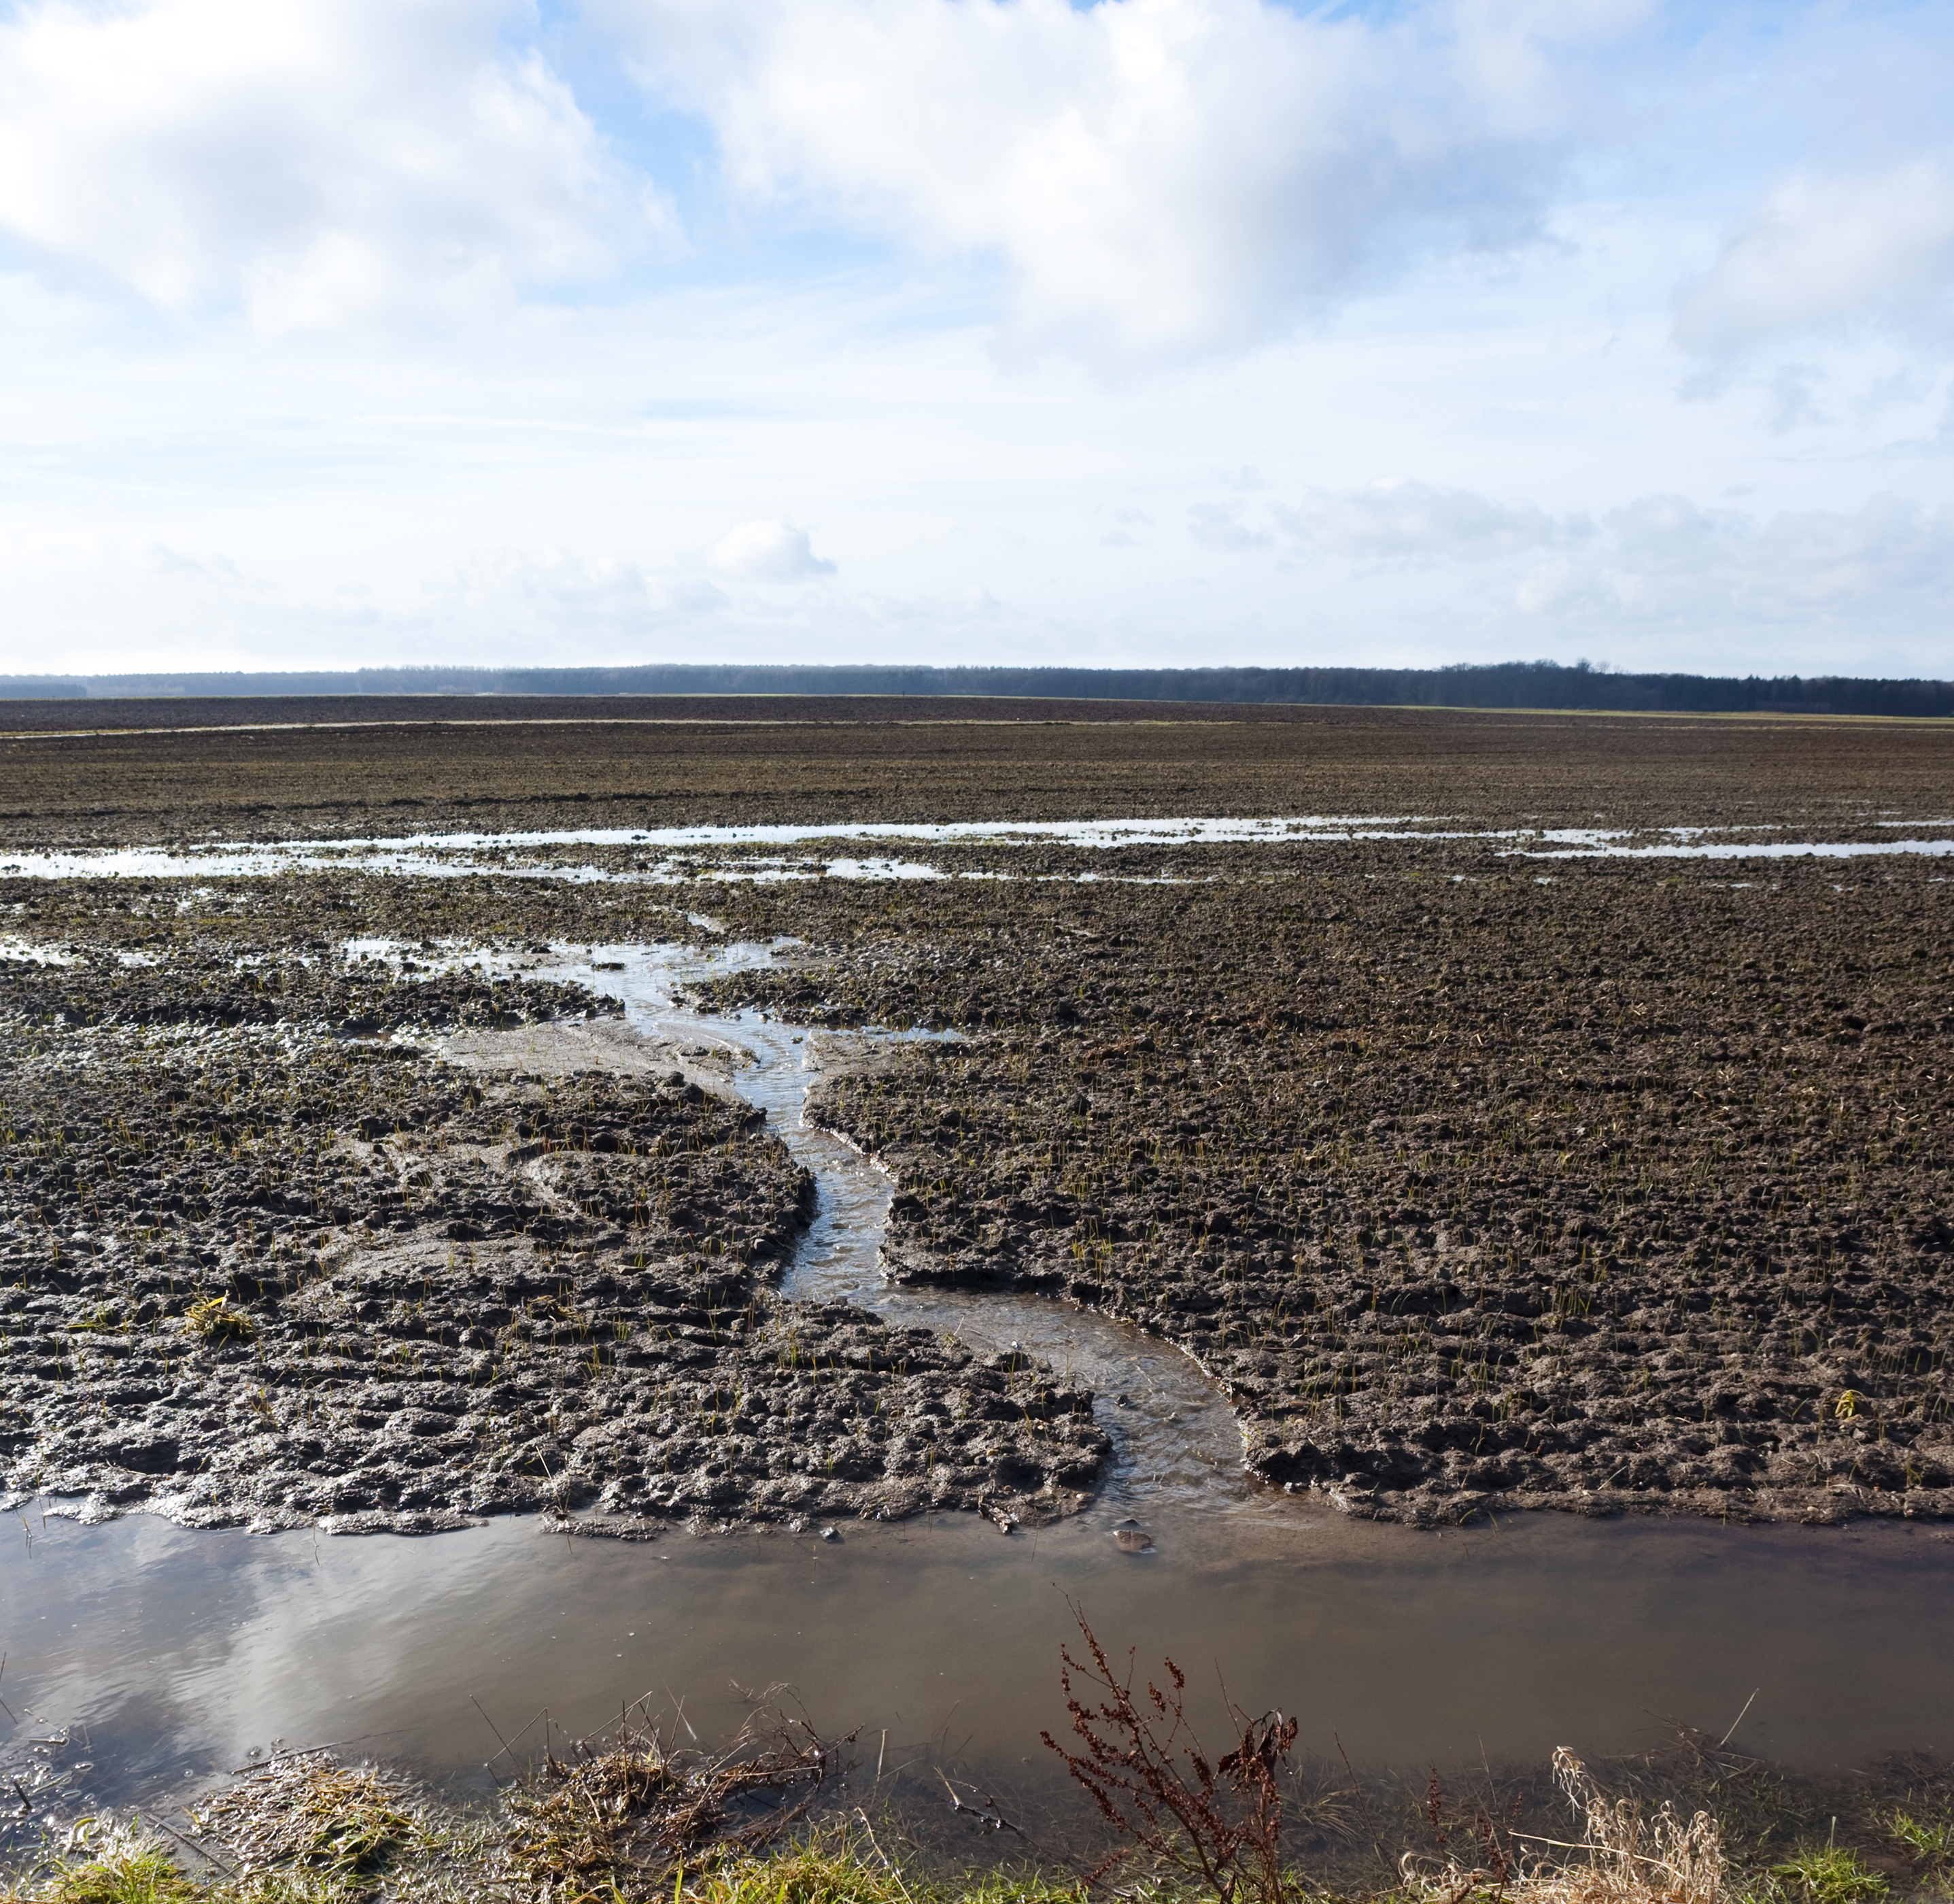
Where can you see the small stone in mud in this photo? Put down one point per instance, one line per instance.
(1131, 1540)
(830, 1533)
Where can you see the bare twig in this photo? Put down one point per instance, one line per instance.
(1738, 1720)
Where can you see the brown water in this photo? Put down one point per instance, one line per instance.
(178, 1651)
(167, 1654)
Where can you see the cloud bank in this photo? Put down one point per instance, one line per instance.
(1821, 253)
(1658, 560)
(1154, 177)
(1404, 521)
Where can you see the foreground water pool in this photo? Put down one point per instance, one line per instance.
(171, 1653)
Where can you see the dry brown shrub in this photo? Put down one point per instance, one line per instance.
(1216, 1825)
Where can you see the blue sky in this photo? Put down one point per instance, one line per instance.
(341, 332)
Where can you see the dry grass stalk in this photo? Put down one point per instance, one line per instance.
(1218, 1826)
(1630, 1857)
(213, 1318)
(620, 1810)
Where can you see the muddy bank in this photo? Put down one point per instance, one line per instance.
(267, 1258)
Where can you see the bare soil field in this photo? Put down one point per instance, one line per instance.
(1479, 1181)
(1472, 1192)
(908, 761)
(183, 713)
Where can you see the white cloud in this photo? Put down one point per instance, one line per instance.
(1819, 253)
(767, 551)
(312, 161)
(1403, 521)
(152, 556)
(1661, 568)
(552, 588)
(1794, 399)
(1217, 525)
(1156, 177)
(1818, 573)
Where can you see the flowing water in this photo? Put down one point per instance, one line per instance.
(161, 1655)
(1175, 1438)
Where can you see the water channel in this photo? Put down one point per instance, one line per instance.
(163, 1656)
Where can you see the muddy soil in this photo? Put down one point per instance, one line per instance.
(267, 1258)
(1478, 1181)
(1630, 1189)
(883, 762)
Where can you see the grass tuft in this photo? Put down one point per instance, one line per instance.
(1830, 1874)
(844, 1865)
(213, 1318)
(312, 1813)
(1625, 1856)
(121, 1865)
(1931, 1847)
(623, 1808)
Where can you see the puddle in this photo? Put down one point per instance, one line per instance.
(1603, 848)
(671, 854)
(172, 1653)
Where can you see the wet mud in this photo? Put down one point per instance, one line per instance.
(1474, 1195)
(1477, 1181)
(268, 1257)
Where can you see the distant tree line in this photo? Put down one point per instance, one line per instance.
(1499, 684)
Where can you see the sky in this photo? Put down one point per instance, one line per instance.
(344, 333)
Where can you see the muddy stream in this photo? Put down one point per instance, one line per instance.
(160, 1655)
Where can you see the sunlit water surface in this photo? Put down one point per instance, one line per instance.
(680, 855)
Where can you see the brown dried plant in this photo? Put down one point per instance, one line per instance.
(1626, 1857)
(1219, 1825)
(620, 1809)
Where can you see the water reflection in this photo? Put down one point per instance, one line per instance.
(179, 1651)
